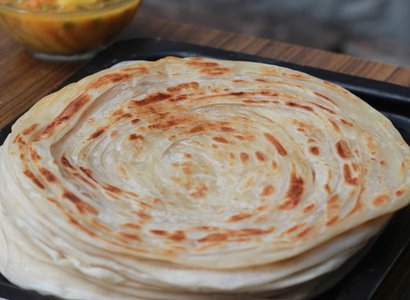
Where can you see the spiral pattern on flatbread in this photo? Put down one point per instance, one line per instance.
(201, 163)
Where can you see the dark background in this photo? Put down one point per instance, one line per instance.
(372, 29)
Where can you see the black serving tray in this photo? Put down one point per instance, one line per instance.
(391, 252)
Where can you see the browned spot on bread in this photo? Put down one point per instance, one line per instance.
(143, 216)
(157, 200)
(214, 237)
(134, 137)
(169, 124)
(187, 168)
(77, 224)
(177, 236)
(197, 128)
(329, 84)
(238, 81)
(238, 235)
(159, 232)
(250, 101)
(33, 154)
(268, 190)
(220, 139)
(266, 93)
(198, 63)
(187, 155)
(19, 140)
(34, 179)
(325, 98)
(83, 179)
(227, 129)
(323, 108)
(183, 86)
(208, 228)
(244, 157)
(304, 232)
(348, 175)
(69, 112)
(56, 203)
(358, 206)
(179, 98)
(231, 155)
(252, 231)
(126, 116)
(30, 129)
(370, 145)
(261, 156)
(327, 188)
(382, 163)
(48, 175)
(136, 70)
(349, 124)
(99, 225)
(343, 149)
(114, 133)
(308, 209)
(297, 76)
(151, 99)
(97, 133)
(66, 163)
(144, 205)
(131, 226)
(400, 192)
(294, 104)
(215, 71)
(332, 221)
(119, 114)
(261, 80)
(314, 150)
(335, 126)
(274, 164)
(81, 206)
(294, 193)
(107, 79)
(294, 228)
(112, 189)
(380, 200)
(88, 173)
(239, 217)
(200, 191)
(240, 137)
(130, 236)
(333, 199)
(333, 205)
(135, 121)
(279, 148)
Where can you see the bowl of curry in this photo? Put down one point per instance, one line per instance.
(65, 29)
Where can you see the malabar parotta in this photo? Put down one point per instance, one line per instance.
(193, 179)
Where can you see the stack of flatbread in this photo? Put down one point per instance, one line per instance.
(195, 179)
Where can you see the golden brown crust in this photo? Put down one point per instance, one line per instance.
(162, 159)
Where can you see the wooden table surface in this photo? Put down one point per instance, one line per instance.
(24, 80)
